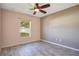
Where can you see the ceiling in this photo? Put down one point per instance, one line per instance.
(25, 8)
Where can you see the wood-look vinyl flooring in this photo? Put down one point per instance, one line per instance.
(38, 49)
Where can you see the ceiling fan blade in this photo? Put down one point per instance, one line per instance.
(43, 11)
(36, 4)
(45, 6)
(34, 13)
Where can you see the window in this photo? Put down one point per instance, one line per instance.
(25, 28)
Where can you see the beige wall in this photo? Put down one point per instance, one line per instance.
(62, 27)
(0, 28)
(11, 27)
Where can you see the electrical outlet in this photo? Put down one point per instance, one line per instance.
(56, 39)
(60, 40)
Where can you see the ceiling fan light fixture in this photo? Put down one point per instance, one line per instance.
(37, 10)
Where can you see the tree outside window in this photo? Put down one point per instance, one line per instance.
(25, 28)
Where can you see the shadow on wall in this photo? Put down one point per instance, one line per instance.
(62, 27)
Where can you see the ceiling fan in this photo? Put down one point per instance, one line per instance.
(38, 8)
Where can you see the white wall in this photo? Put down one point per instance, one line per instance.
(62, 27)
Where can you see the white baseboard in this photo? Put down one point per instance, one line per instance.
(61, 45)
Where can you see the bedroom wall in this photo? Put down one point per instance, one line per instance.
(62, 27)
(11, 27)
(0, 28)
